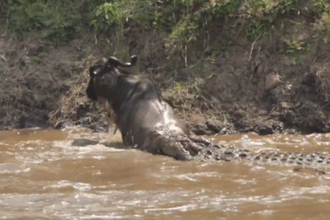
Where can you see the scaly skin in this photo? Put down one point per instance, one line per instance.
(191, 147)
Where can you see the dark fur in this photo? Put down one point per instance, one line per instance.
(136, 101)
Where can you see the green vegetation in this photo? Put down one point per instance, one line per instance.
(294, 49)
(61, 20)
(183, 21)
(197, 36)
(323, 27)
(263, 13)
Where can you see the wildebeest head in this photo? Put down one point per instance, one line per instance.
(104, 76)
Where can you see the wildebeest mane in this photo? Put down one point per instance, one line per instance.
(131, 88)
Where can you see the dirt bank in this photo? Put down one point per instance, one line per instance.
(222, 82)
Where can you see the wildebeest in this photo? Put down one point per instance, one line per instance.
(136, 101)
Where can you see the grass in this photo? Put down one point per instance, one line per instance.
(182, 21)
(293, 48)
(194, 32)
(60, 20)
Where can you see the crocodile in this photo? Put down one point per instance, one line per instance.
(193, 147)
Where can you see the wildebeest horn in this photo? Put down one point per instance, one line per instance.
(104, 65)
(116, 62)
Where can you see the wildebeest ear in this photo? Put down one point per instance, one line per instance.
(90, 91)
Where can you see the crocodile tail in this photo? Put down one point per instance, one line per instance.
(313, 159)
(192, 147)
(210, 151)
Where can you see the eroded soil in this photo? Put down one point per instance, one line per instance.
(252, 87)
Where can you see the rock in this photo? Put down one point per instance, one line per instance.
(272, 81)
(265, 130)
(309, 170)
(81, 142)
(213, 127)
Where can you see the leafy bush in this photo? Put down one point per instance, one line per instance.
(322, 11)
(60, 20)
(321, 6)
(262, 14)
(198, 14)
(181, 20)
(111, 14)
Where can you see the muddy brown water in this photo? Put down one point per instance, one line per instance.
(43, 177)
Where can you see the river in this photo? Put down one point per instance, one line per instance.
(43, 177)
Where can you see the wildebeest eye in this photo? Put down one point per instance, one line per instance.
(94, 70)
